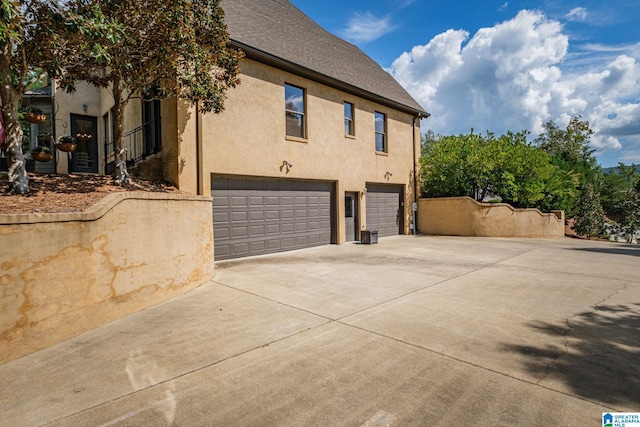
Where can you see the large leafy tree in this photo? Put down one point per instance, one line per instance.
(631, 212)
(479, 166)
(570, 152)
(38, 36)
(616, 184)
(166, 48)
(25, 46)
(589, 215)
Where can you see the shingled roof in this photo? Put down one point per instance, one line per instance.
(279, 34)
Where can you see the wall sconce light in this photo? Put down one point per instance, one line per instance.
(85, 106)
(286, 166)
(388, 175)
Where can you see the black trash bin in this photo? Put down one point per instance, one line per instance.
(369, 237)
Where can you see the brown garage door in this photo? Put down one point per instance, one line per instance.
(257, 216)
(384, 209)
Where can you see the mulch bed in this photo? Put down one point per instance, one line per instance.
(68, 193)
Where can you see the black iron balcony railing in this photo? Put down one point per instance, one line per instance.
(139, 143)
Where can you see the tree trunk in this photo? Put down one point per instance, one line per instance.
(121, 175)
(18, 178)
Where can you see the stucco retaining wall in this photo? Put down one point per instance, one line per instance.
(62, 274)
(463, 216)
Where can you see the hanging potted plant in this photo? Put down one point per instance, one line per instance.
(41, 154)
(66, 143)
(33, 114)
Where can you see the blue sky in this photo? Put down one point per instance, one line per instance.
(498, 65)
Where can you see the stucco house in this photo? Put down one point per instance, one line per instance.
(315, 145)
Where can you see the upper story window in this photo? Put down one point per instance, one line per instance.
(349, 129)
(381, 132)
(294, 107)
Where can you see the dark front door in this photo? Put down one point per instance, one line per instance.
(350, 215)
(152, 137)
(85, 156)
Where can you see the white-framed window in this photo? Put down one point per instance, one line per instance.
(349, 124)
(381, 131)
(295, 111)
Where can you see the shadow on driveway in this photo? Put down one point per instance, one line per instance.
(613, 251)
(601, 360)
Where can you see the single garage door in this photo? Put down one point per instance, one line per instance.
(384, 209)
(257, 216)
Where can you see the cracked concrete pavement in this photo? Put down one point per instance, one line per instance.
(416, 330)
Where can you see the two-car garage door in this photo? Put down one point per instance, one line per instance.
(259, 216)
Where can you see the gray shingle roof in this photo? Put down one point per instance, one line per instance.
(278, 32)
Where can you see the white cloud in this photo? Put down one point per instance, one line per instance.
(512, 77)
(577, 14)
(504, 6)
(365, 27)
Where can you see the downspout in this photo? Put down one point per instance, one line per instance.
(414, 206)
(52, 144)
(199, 168)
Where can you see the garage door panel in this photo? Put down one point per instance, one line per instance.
(239, 216)
(272, 215)
(257, 230)
(253, 216)
(240, 248)
(223, 251)
(258, 246)
(223, 217)
(274, 245)
(288, 243)
(286, 214)
(239, 232)
(286, 201)
(221, 202)
(287, 228)
(238, 201)
(273, 228)
(257, 215)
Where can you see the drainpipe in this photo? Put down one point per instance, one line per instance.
(52, 144)
(414, 205)
(199, 179)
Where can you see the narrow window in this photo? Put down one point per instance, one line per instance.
(294, 111)
(381, 132)
(348, 119)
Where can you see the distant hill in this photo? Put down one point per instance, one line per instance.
(616, 169)
(613, 169)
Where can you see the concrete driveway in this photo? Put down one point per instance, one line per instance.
(436, 331)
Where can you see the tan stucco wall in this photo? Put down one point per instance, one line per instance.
(248, 139)
(463, 216)
(62, 274)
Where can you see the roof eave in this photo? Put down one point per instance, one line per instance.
(283, 64)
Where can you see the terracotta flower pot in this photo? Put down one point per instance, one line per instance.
(66, 146)
(40, 156)
(34, 117)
